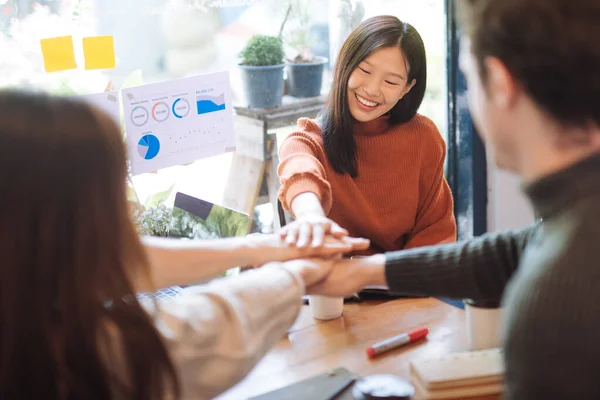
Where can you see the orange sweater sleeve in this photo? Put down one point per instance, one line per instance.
(301, 158)
(435, 222)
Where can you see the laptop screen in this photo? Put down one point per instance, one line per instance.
(194, 218)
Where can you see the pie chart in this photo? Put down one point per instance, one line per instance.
(148, 147)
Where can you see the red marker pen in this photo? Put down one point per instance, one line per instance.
(397, 341)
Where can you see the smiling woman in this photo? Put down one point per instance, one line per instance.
(370, 165)
(378, 66)
(378, 83)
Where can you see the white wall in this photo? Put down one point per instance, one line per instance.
(507, 207)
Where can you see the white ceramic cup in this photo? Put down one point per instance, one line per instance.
(323, 307)
(483, 324)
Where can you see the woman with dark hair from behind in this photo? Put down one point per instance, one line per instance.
(72, 327)
(370, 166)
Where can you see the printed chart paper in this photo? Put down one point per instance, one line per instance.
(105, 101)
(178, 122)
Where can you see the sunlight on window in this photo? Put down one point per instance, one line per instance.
(160, 40)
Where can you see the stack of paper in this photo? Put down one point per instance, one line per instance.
(459, 375)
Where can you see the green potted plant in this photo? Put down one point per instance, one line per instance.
(152, 217)
(262, 67)
(304, 70)
(221, 222)
(160, 220)
(154, 220)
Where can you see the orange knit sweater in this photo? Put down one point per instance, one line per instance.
(400, 198)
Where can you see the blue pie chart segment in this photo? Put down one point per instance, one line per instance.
(148, 147)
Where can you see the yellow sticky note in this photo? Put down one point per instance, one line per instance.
(99, 52)
(58, 53)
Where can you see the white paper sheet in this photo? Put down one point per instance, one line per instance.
(178, 122)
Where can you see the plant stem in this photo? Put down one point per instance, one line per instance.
(287, 14)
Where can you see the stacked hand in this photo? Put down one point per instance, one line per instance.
(273, 248)
(321, 242)
(313, 271)
(347, 277)
(311, 231)
(340, 278)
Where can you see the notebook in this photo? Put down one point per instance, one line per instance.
(459, 375)
(194, 218)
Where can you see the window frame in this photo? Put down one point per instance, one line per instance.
(466, 159)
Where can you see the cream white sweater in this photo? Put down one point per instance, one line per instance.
(217, 332)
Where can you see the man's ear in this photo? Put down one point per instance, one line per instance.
(409, 86)
(501, 86)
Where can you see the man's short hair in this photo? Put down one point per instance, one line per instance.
(551, 47)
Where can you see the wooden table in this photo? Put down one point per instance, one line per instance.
(313, 347)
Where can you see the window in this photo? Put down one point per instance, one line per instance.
(159, 40)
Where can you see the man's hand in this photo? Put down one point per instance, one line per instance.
(312, 271)
(267, 248)
(350, 276)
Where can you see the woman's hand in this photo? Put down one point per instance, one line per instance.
(311, 226)
(311, 231)
(311, 271)
(267, 248)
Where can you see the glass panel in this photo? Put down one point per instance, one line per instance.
(166, 39)
(159, 40)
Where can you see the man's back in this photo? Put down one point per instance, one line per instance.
(552, 323)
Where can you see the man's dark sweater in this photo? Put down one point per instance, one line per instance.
(548, 277)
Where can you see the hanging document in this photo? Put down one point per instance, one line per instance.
(178, 122)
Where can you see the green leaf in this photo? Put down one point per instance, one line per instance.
(159, 197)
(131, 195)
(64, 89)
(153, 221)
(134, 79)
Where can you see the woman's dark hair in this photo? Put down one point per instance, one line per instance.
(70, 324)
(372, 34)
